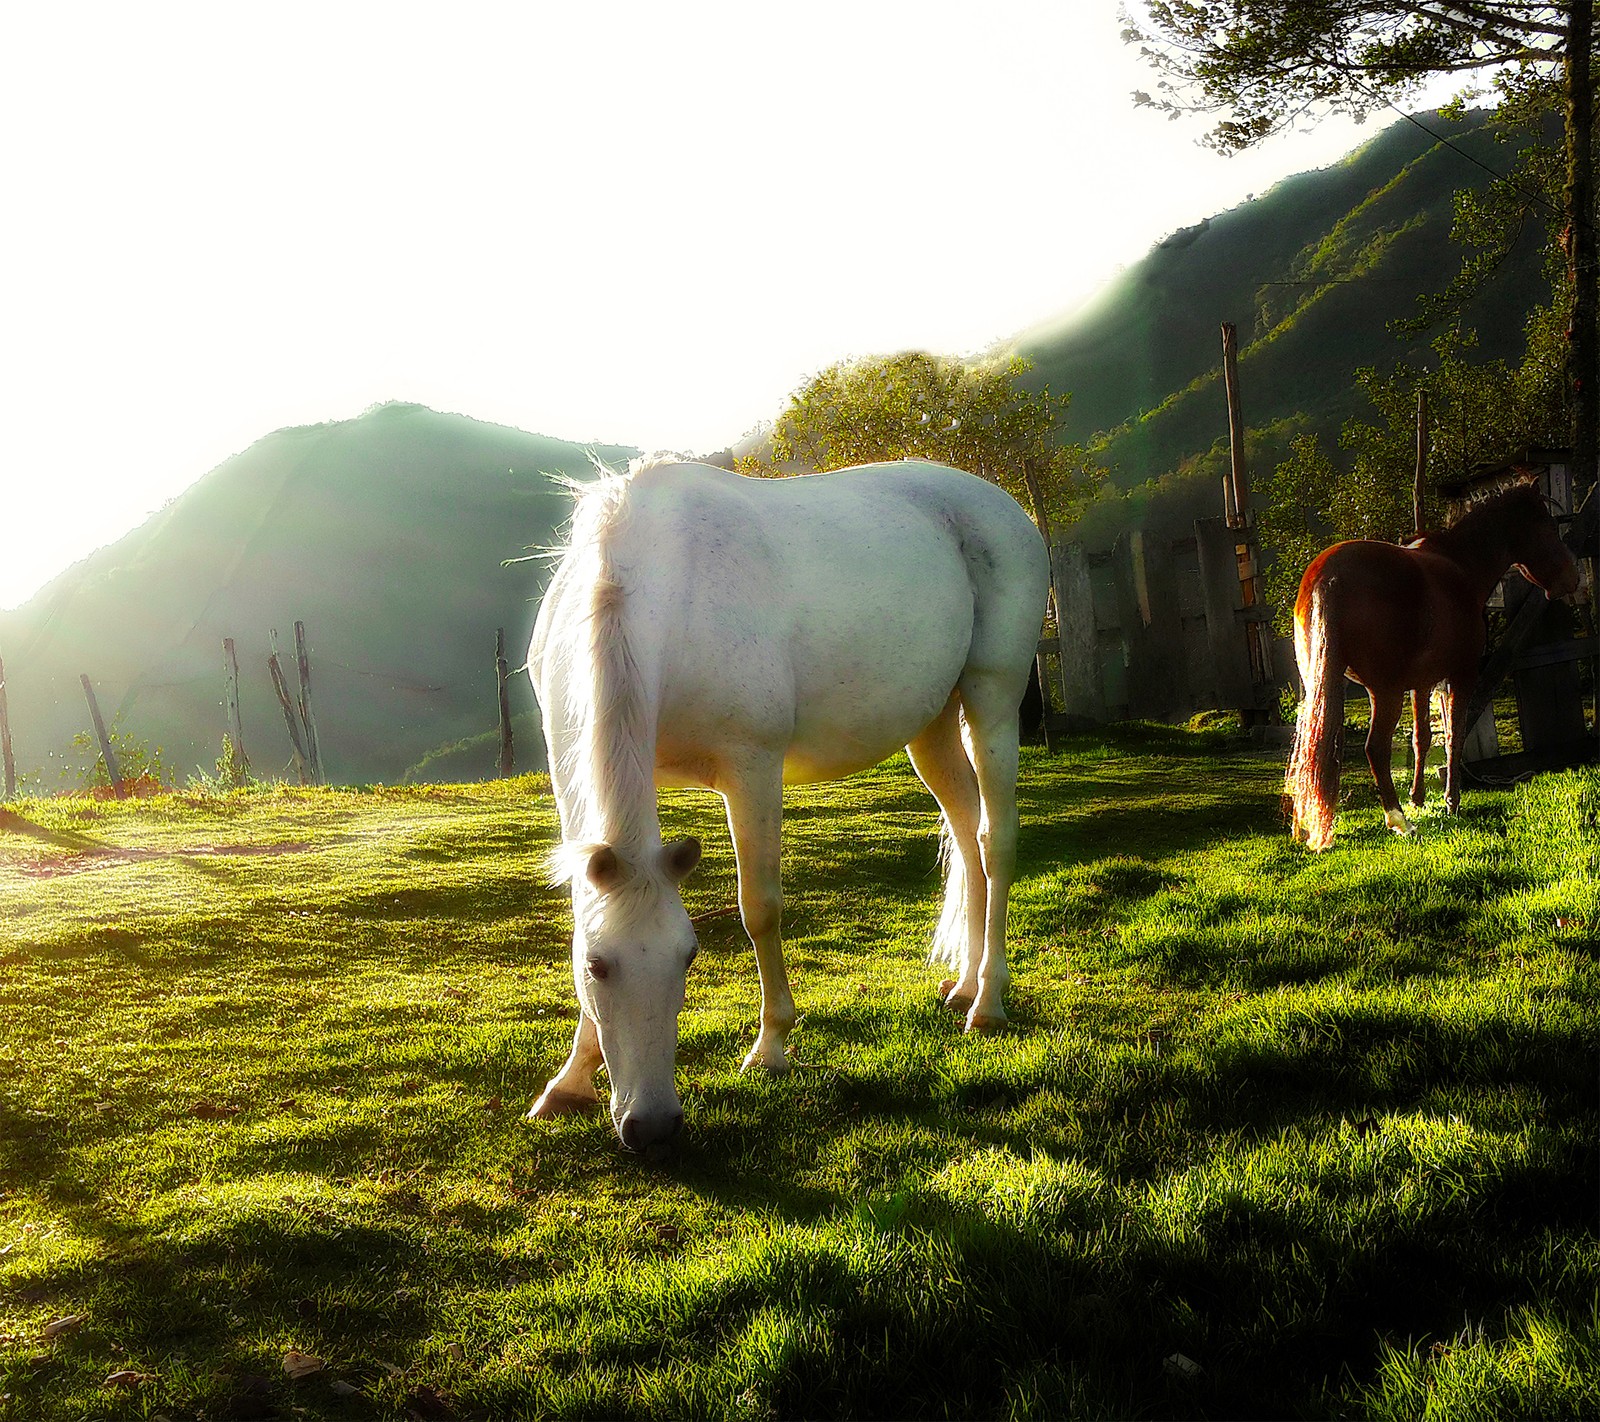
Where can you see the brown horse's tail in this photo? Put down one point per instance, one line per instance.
(1312, 779)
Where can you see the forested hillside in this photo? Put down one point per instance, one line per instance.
(1314, 274)
(387, 535)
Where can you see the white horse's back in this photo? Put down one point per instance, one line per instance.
(827, 618)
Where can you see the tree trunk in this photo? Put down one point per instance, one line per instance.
(1583, 335)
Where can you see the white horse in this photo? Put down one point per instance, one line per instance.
(712, 630)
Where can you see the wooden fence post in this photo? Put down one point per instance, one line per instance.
(313, 751)
(1236, 488)
(1247, 553)
(105, 741)
(230, 670)
(5, 738)
(507, 757)
(290, 714)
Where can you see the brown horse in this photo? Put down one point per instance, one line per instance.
(1398, 619)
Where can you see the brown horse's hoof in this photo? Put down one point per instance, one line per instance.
(561, 1103)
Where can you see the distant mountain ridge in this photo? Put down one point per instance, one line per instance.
(1312, 273)
(388, 535)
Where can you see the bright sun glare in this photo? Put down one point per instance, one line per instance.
(627, 223)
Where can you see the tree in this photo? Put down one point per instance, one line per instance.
(975, 415)
(1480, 413)
(1262, 64)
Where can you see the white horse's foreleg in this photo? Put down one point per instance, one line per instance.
(755, 819)
(992, 726)
(572, 1088)
(940, 760)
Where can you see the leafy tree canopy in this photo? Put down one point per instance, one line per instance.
(1260, 65)
(975, 415)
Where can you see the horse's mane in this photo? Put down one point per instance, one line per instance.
(611, 769)
(1494, 498)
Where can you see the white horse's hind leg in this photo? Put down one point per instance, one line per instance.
(992, 730)
(754, 798)
(572, 1088)
(941, 761)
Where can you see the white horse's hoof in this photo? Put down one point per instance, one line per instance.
(561, 1103)
(955, 997)
(983, 1023)
(1397, 821)
(774, 1062)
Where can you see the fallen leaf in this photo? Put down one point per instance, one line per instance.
(301, 1365)
(456, 1353)
(340, 1388)
(493, 1104)
(128, 1377)
(1179, 1366)
(213, 1111)
(61, 1326)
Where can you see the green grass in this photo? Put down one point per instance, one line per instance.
(1326, 1126)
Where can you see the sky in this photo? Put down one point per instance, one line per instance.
(641, 224)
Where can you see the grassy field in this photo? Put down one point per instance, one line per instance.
(1272, 1135)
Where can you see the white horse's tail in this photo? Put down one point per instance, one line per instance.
(950, 937)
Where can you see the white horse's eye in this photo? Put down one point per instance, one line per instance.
(599, 969)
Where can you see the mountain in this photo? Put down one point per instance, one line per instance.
(388, 536)
(1313, 274)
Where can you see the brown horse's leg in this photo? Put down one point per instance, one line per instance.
(1457, 694)
(1380, 747)
(1421, 739)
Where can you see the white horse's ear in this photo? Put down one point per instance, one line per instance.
(679, 858)
(604, 870)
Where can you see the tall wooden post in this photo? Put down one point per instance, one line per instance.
(291, 715)
(1236, 501)
(230, 673)
(507, 758)
(313, 752)
(1236, 489)
(5, 738)
(1422, 462)
(106, 752)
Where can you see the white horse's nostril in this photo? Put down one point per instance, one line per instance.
(642, 1133)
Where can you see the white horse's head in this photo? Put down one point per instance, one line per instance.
(632, 944)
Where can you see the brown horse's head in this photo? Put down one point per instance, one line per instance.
(1537, 551)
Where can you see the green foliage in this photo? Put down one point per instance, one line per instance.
(136, 758)
(231, 772)
(977, 416)
(1263, 65)
(1325, 1125)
